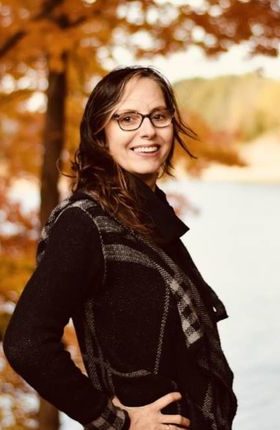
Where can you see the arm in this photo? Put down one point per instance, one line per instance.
(72, 262)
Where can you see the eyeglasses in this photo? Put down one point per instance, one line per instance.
(130, 121)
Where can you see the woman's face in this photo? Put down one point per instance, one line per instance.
(142, 151)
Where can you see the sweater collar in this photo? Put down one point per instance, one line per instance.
(161, 214)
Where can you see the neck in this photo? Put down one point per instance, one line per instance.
(148, 180)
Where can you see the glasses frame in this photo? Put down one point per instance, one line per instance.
(149, 115)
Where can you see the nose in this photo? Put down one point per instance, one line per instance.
(147, 128)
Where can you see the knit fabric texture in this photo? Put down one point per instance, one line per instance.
(120, 246)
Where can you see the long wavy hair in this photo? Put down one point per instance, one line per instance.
(94, 169)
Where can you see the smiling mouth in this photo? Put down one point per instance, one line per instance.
(146, 149)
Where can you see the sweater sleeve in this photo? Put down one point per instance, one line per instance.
(72, 263)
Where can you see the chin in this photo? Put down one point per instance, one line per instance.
(145, 173)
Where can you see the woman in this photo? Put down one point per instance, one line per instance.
(111, 259)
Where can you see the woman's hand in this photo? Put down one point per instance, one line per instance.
(149, 417)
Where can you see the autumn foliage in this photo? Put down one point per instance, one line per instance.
(52, 52)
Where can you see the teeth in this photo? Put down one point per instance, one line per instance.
(145, 149)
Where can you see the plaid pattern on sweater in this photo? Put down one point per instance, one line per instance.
(112, 418)
(200, 333)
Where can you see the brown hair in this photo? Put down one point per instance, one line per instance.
(95, 170)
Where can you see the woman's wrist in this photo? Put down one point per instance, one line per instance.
(111, 418)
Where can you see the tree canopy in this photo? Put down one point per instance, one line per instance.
(81, 38)
(51, 54)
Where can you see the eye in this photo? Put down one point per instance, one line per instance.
(129, 118)
(161, 115)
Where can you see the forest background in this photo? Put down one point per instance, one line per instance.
(52, 53)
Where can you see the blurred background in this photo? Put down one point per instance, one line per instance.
(222, 58)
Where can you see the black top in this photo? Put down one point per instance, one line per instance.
(73, 264)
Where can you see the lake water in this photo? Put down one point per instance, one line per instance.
(234, 241)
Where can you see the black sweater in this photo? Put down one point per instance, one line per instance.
(71, 267)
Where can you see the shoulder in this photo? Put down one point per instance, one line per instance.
(70, 224)
(75, 211)
(73, 218)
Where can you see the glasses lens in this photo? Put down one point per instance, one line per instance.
(129, 121)
(162, 118)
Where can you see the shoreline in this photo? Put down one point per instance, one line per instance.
(262, 156)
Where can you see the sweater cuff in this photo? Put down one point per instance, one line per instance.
(112, 418)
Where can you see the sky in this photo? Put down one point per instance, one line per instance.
(193, 63)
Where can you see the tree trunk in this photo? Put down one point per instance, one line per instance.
(48, 416)
(53, 140)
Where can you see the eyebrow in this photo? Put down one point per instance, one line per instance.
(136, 111)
